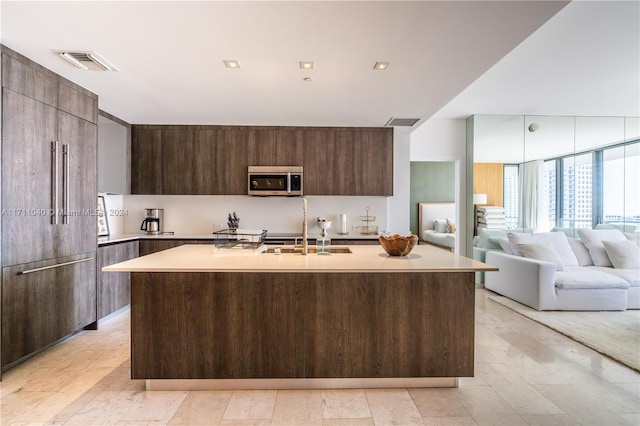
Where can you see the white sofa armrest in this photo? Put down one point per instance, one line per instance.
(480, 255)
(528, 281)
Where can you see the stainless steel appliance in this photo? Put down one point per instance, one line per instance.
(275, 180)
(153, 221)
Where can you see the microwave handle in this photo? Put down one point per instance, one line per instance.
(288, 182)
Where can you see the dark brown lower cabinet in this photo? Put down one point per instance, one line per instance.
(114, 288)
(46, 301)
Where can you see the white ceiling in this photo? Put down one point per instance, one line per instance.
(585, 61)
(170, 57)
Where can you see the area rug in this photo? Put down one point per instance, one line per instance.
(614, 334)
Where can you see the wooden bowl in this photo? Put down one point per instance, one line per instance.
(398, 245)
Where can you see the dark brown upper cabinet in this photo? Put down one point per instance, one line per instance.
(146, 160)
(348, 161)
(213, 160)
(276, 146)
(189, 160)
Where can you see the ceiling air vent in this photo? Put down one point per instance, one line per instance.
(401, 122)
(88, 61)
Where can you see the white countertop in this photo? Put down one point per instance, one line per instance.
(365, 258)
(120, 238)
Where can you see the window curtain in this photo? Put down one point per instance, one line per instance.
(533, 204)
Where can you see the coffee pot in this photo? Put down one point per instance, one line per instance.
(152, 223)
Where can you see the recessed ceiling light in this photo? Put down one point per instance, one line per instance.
(231, 63)
(306, 65)
(307, 79)
(381, 66)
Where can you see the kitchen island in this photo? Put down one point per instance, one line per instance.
(202, 317)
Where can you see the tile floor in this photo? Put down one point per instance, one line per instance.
(525, 374)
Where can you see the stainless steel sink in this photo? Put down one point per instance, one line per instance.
(312, 250)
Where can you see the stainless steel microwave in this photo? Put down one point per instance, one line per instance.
(275, 180)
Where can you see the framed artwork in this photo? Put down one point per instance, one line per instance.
(103, 224)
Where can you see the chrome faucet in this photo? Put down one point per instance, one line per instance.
(305, 248)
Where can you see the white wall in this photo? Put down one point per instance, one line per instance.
(444, 139)
(398, 205)
(185, 214)
(112, 156)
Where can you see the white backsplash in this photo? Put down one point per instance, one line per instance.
(185, 214)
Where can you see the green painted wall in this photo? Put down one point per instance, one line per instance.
(431, 181)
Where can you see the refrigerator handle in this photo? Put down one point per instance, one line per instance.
(65, 184)
(54, 182)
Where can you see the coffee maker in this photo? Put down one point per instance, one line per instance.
(153, 221)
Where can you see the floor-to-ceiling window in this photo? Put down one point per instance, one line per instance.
(511, 199)
(620, 177)
(596, 187)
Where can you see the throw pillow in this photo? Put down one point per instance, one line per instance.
(581, 252)
(541, 251)
(440, 225)
(486, 238)
(592, 239)
(451, 226)
(633, 236)
(623, 254)
(558, 241)
(506, 245)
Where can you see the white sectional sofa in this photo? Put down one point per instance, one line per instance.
(549, 271)
(491, 240)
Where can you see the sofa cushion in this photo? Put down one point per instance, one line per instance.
(558, 241)
(581, 252)
(541, 251)
(624, 227)
(488, 238)
(592, 239)
(623, 254)
(632, 276)
(569, 232)
(588, 278)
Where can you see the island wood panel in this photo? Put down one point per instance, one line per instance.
(296, 325)
(215, 325)
(391, 325)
